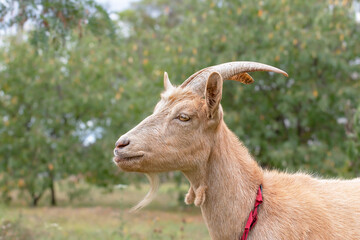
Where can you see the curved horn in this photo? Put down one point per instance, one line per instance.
(236, 71)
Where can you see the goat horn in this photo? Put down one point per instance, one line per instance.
(236, 71)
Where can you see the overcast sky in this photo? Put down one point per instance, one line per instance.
(115, 5)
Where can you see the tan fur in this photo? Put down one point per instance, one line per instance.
(200, 195)
(224, 177)
(190, 196)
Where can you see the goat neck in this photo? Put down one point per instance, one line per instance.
(231, 176)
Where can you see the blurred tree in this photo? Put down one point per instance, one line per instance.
(49, 108)
(353, 134)
(52, 107)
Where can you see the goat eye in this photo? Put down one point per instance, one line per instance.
(183, 117)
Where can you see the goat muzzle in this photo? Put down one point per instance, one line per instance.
(122, 142)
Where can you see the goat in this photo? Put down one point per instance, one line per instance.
(186, 133)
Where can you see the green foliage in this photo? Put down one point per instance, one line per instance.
(79, 74)
(353, 142)
(50, 103)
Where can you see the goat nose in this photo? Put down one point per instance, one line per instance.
(122, 142)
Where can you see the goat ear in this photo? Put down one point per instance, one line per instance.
(167, 83)
(213, 93)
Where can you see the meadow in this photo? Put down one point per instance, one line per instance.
(100, 214)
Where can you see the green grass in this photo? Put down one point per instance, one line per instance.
(103, 215)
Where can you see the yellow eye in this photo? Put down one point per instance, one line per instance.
(183, 117)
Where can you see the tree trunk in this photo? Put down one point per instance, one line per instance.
(35, 202)
(36, 199)
(52, 189)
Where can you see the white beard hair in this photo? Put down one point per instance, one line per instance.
(154, 187)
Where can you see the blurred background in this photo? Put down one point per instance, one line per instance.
(75, 75)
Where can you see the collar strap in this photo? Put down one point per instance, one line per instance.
(253, 214)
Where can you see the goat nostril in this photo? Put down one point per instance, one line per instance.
(122, 142)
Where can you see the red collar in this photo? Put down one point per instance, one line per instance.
(253, 214)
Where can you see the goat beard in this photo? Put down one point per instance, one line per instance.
(154, 187)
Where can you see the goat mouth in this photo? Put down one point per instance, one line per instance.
(118, 159)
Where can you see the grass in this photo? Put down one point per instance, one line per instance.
(104, 215)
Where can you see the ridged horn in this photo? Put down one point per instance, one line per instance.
(236, 71)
